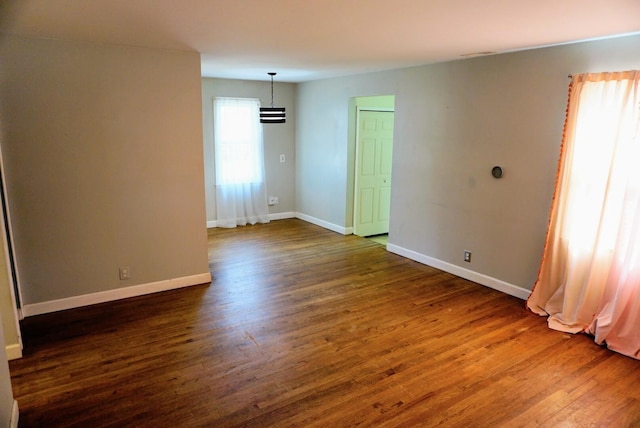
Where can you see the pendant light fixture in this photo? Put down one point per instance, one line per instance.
(272, 114)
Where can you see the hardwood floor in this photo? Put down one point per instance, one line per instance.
(304, 327)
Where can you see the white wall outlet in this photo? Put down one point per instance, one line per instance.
(125, 273)
(273, 200)
(282, 158)
(467, 256)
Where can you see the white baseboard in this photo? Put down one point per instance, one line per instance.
(496, 284)
(325, 224)
(282, 216)
(14, 351)
(15, 415)
(117, 294)
(211, 224)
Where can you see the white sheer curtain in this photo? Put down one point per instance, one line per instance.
(241, 194)
(589, 279)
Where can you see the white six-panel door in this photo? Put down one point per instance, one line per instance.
(374, 148)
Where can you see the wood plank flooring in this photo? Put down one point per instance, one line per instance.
(303, 327)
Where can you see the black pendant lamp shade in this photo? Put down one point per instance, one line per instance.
(272, 114)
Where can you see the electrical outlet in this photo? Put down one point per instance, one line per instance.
(125, 273)
(273, 200)
(282, 158)
(467, 256)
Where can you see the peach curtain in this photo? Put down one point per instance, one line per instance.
(589, 278)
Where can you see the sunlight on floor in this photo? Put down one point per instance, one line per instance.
(380, 239)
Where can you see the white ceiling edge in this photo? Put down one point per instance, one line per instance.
(216, 70)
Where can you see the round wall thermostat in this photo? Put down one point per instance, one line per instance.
(496, 172)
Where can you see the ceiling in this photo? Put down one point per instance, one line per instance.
(312, 39)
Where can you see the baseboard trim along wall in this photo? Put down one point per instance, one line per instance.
(487, 281)
(117, 294)
(282, 216)
(211, 224)
(14, 351)
(334, 227)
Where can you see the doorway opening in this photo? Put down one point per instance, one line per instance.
(372, 126)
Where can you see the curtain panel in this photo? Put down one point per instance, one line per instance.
(589, 278)
(241, 192)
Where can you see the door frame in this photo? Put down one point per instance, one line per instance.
(11, 263)
(373, 103)
(359, 110)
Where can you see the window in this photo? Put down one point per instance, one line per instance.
(241, 192)
(238, 141)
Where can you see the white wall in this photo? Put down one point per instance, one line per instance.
(454, 121)
(103, 153)
(278, 139)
